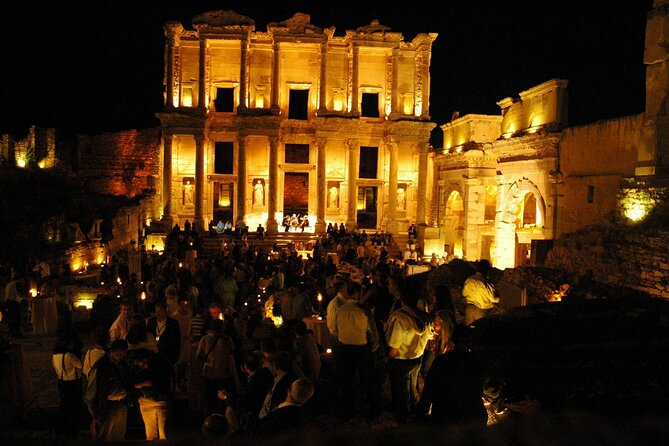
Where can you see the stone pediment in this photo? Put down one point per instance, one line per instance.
(221, 19)
(373, 28)
(299, 23)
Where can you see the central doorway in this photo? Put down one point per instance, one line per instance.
(296, 193)
(367, 207)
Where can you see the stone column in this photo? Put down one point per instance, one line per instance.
(276, 72)
(202, 75)
(272, 225)
(353, 162)
(173, 32)
(167, 178)
(392, 226)
(422, 183)
(199, 181)
(243, 64)
(355, 96)
(321, 186)
(395, 108)
(425, 68)
(241, 181)
(322, 86)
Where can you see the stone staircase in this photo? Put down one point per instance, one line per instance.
(212, 244)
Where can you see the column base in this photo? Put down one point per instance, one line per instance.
(319, 227)
(351, 225)
(272, 227)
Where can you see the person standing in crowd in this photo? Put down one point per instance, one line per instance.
(100, 338)
(13, 297)
(151, 378)
(166, 332)
(479, 293)
(66, 362)
(139, 337)
(454, 385)
(358, 339)
(106, 393)
(119, 329)
(333, 306)
(282, 366)
(407, 335)
(306, 351)
(247, 405)
(289, 414)
(216, 350)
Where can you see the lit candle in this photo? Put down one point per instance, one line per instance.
(320, 297)
(220, 316)
(143, 296)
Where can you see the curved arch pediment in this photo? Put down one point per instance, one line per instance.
(512, 201)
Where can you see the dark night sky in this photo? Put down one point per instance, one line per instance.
(98, 66)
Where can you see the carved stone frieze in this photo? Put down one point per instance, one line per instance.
(373, 28)
(526, 147)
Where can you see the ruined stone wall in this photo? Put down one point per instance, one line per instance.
(616, 255)
(595, 157)
(123, 163)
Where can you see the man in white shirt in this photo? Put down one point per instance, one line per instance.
(479, 293)
(336, 302)
(407, 333)
(358, 339)
(119, 328)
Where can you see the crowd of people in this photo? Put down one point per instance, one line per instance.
(197, 329)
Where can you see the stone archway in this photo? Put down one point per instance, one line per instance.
(522, 208)
(453, 223)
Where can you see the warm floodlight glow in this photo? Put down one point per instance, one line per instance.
(187, 97)
(635, 212)
(21, 161)
(407, 107)
(260, 101)
(41, 164)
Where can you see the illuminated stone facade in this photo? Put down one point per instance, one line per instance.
(506, 183)
(295, 120)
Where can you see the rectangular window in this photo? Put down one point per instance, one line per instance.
(297, 153)
(591, 194)
(370, 105)
(369, 161)
(225, 100)
(298, 104)
(187, 96)
(223, 157)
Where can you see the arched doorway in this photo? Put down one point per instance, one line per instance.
(454, 224)
(523, 211)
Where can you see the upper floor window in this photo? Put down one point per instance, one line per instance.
(298, 104)
(225, 100)
(370, 105)
(369, 162)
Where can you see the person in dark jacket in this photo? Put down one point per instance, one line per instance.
(106, 393)
(247, 405)
(289, 415)
(282, 363)
(167, 333)
(151, 378)
(454, 385)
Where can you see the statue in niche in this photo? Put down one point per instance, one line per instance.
(188, 193)
(401, 199)
(258, 194)
(333, 197)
